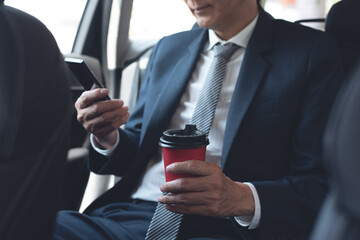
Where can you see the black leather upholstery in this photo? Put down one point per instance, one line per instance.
(35, 113)
(343, 21)
(340, 216)
(342, 143)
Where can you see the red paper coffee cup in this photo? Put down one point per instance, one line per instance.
(180, 145)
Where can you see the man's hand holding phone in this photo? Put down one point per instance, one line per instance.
(101, 118)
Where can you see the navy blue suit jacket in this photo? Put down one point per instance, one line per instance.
(274, 130)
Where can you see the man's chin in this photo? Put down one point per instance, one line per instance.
(203, 23)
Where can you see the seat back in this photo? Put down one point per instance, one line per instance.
(35, 113)
(340, 217)
(343, 21)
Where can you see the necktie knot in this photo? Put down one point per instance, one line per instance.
(225, 51)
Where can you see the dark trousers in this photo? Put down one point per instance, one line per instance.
(130, 221)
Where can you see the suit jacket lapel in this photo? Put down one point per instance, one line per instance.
(251, 75)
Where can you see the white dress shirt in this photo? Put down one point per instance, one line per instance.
(154, 177)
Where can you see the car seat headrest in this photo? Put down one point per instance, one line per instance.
(343, 21)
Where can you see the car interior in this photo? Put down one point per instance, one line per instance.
(119, 63)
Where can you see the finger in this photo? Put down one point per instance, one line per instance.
(120, 114)
(205, 210)
(101, 130)
(99, 108)
(193, 167)
(186, 184)
(204, 195)
(89, 97)
(214, 182)
(111, 107)
(107, 122)
(188, 198)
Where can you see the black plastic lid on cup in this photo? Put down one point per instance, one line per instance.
(189, 137)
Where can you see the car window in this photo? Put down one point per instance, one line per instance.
(61, 17)
(157, 18)
(293, 10)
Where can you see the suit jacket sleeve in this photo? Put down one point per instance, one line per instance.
(130, 136)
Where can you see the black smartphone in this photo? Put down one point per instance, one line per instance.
(84, 75)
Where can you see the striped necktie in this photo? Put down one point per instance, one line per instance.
(165, 225)
(206, 104)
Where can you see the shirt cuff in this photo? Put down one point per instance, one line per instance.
(248, 221)
(105, 152)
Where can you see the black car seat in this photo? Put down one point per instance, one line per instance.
(339, 218)
(35, 114)
(343, 21)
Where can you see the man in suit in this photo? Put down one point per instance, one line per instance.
(263, 176)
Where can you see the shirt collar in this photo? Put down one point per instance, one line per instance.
(241, 39)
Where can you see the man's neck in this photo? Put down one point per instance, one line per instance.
(245, 18)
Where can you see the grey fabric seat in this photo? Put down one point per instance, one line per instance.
(35, 114)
